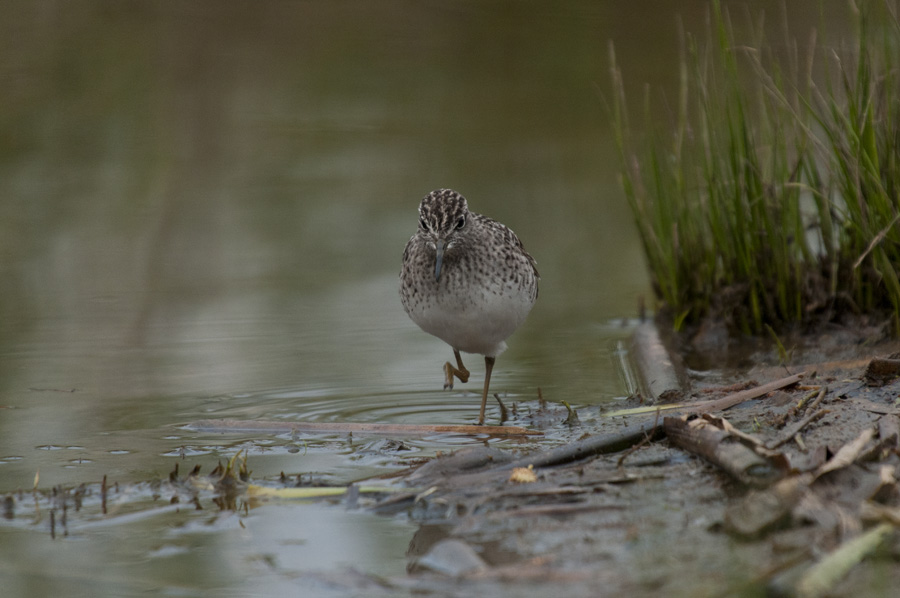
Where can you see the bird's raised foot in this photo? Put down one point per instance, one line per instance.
(450, 372)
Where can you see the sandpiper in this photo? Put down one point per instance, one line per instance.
(467, 280)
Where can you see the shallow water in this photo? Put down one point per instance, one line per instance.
(203, 210)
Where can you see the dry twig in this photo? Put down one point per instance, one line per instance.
(281, 427)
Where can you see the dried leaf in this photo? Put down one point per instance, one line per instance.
(847, 453)
(822, 576)
(523, 475)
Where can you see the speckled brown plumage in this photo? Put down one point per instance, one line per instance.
(467, 280)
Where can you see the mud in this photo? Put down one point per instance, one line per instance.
(659, 521)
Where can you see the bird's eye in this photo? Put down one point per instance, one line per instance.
(461, 222)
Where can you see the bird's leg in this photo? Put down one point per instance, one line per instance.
(488, 367)
(459, 371)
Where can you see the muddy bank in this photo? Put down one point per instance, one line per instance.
(660, 519)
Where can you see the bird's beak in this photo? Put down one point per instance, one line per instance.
(439, 250)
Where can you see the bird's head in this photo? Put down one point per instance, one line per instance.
(444, 218)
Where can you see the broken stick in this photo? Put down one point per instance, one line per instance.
(716, 404)
(719, 448)
(287, 427)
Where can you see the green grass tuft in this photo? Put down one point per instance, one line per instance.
(772, 199)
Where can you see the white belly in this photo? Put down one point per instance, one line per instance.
(478, 324)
